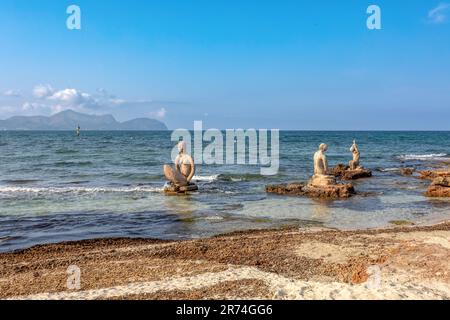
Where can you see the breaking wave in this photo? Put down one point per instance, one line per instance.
(78, 190)
(210, 178)
(424, 157)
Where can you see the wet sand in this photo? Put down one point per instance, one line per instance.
(410, 262)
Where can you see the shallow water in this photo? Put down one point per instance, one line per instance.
(55, 186)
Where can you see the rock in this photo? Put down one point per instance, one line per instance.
(298, 189)
(287, 189)
(345, 173)
(441, 181)
(440, 187)
(407, 171)
(431, 175)
(339, 170)
(333, 191)
(173, 189)
(438, 191)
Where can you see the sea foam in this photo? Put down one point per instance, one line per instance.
(424, 157)
(61, 190)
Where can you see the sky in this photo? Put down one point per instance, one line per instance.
(299, 65)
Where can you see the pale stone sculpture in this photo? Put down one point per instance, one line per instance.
(354, 164)
(181, 174)
(321, 176)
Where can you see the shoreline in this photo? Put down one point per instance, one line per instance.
(398, 262)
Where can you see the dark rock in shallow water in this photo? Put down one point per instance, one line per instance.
(345, 173)
(407, 171)
(173, 189)
(299, 189)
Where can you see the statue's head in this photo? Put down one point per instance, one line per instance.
(182, 146)
(323, 147)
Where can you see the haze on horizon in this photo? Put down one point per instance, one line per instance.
(302, 65)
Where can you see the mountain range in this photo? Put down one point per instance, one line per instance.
(69, 120)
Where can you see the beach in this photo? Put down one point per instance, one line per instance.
(403, 262)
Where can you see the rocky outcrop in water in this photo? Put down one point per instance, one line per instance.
(170, 188)
(299, 189)
(407, 171)
(431, 175)
(440, 187)
(344, 172)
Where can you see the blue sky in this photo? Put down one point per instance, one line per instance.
(233, 64)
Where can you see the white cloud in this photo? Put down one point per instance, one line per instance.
(12, 93)
(159, 114)
(42, 91)
(74, 97)
(439, 14)
(47, 100)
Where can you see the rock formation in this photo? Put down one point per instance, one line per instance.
(407, 171)
(299, 189)
(354, 170)
(173, 189)
(440, 187)
(321, 185)
(344, 172)
(431, 175)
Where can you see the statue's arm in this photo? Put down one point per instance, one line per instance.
(191, 175)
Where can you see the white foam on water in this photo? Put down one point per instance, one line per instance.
(56, 190)
(217, 218)
(210, 178)
(424, 157)
(390, 169)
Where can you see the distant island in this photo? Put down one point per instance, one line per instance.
(69, 120)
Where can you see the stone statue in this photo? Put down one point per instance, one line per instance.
(321, 185)
(321, 176)
(181, 174)
(354, 164)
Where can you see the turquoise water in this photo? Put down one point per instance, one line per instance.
(55, 186)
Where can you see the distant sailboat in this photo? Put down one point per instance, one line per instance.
(78, 131)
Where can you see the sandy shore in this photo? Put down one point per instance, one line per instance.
(397, 263)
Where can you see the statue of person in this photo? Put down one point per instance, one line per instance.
(181, 174)
(354, 164)
(320, 160)
(321, 176)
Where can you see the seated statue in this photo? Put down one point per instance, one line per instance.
(354, 164)
(180, 175)
(321, 176)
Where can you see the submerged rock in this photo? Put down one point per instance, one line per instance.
(298, 189)
(344, 172)
(407, 171)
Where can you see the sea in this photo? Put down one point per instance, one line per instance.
(57, 186)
